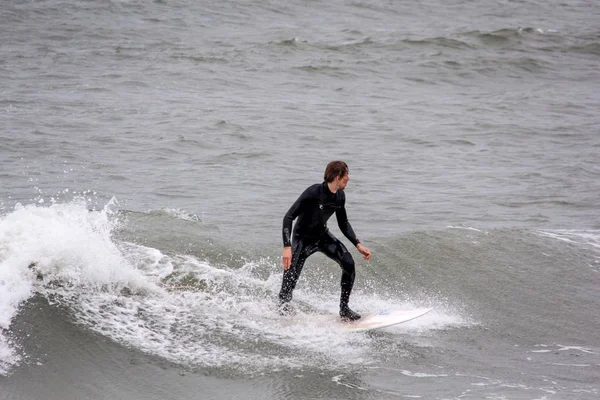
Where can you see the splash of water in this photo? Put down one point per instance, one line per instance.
(173, 306)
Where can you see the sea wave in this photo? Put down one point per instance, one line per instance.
(187, 310)
(63, 242)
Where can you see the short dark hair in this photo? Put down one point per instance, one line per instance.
(335, 169)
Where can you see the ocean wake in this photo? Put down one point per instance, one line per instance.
(174, 306)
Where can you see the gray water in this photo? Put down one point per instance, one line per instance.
(149, 150)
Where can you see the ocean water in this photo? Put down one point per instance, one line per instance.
(149, 150)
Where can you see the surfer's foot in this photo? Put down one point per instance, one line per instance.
(348, 315)
(285, 308)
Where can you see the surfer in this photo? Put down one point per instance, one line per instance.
(312, 210)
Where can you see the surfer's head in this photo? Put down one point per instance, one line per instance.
(337, 171)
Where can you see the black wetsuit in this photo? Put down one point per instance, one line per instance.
(313, 208)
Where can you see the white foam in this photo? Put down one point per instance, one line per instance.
(468, 228)
(420, 374)
(578, 348)
(582, 237)
(180, 214)
(177, 307)
(219, 322)
(62, 241)
(8, 358)
(572, 365)
(339, 379)
(14, 288)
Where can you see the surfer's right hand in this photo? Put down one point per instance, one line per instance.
(286, 259)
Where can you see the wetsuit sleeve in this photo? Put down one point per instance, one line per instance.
(295, 210)
(344, 224)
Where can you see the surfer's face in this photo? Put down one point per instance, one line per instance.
(343, 181)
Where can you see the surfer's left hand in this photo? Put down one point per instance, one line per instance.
(364, 251)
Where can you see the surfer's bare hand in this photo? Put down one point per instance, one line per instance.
(364, 251)
(286, 259)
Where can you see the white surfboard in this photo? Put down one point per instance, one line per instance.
(383, 319)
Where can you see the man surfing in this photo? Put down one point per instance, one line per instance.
(312, 210)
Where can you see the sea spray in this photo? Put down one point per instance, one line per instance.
(60, 242)
(194, 312)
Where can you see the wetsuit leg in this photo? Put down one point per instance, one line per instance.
(334, 249)
(301, 250)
